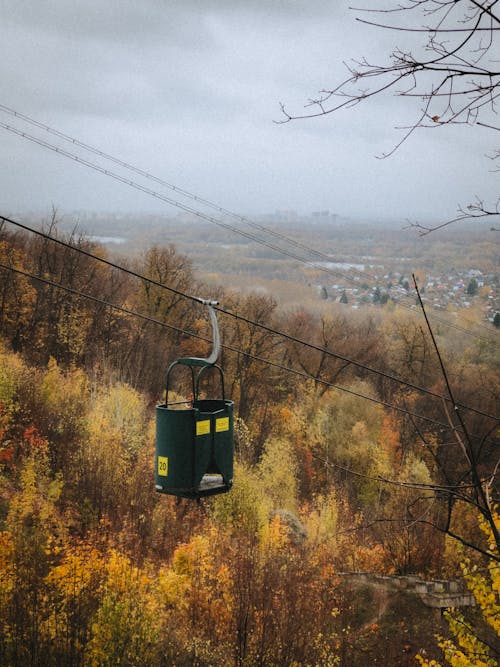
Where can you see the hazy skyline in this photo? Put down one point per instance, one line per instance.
(189, 91)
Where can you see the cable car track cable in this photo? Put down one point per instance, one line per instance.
(230, 348)
(246, 320)
(194, 197)
(452, 489)
(189, 209)
(161, 197)
(174, 188)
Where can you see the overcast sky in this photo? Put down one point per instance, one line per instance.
(189, 90)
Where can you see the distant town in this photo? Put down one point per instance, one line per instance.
(453, 290)
(363, 264)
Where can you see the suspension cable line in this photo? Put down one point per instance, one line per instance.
(246, 320)
(230, 348)
(170, 186)
(157, 195)
(457, 491)
(186, 208)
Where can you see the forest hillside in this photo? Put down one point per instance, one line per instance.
(351, 455)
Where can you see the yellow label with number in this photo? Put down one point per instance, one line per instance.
(203, 427)
(222, 424)
(163, 466)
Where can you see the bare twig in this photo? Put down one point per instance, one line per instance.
(458, 81)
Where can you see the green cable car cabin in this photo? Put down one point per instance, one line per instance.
(194, 444)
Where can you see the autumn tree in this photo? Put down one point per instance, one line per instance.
(152, 347)
(31, 538)
(51, 319)
(112, 460)
(74, 588)
(330, 341)
(475, 638)
(254, 385)
(61, 323)
(16, 293)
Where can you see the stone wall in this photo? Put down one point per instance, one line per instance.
(438, 593)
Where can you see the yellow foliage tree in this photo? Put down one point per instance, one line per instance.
(17, 297)
(117, 430)
(33, 537)
(127, 626)
(198, 591)
(61, 402)
(470, 647)
(74, 586)
(278, 474)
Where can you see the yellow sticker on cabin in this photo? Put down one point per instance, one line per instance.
(203, 427)
(162, 466)
(222, 424)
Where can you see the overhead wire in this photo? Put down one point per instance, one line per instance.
(158, 195)
(456, 491)
(421, 486)
(193, 197)
(242, 318)
(252, 237)
(302, 374)
(170, 186)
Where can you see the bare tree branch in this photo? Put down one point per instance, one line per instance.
(456, 75)
(471, 211)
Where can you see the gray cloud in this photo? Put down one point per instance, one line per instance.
(190, 90)
(115, 21)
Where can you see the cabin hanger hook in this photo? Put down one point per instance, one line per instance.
(211, 360)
